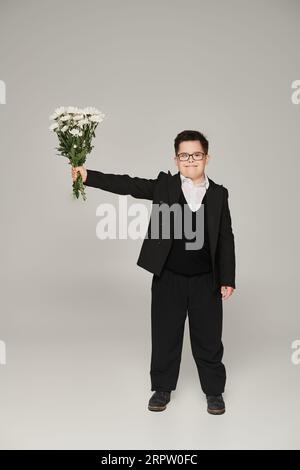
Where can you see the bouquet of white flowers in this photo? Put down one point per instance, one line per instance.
(75, 128)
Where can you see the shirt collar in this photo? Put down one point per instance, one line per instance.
(189, 180)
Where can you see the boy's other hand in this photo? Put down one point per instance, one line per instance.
(226, 292)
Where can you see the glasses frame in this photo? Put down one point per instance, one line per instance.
(191, 155)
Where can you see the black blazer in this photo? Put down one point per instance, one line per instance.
(166, 188)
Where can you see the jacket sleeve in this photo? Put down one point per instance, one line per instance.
(141, 188)
(226, 246)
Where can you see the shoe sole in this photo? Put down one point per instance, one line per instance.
(216, 412)
(157, 408)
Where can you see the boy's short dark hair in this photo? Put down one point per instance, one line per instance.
(191, 135)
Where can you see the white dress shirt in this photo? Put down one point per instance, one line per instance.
(194, 193)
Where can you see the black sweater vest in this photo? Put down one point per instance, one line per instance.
(189, 261)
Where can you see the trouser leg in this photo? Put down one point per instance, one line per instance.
(205, 312)
(168, 314)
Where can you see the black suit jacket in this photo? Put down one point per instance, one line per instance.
(166, 188)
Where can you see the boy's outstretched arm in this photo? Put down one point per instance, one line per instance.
(141, 188)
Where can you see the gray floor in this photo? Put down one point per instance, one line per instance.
(77, 373)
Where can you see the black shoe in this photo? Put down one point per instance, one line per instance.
(159, 401)
(215, 404)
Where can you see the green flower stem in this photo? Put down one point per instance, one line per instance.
(78, 188)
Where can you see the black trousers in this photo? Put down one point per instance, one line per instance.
(173, 296)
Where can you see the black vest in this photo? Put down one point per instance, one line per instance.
(187, 261)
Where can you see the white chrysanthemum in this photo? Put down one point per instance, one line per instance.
(95, 118)
(78, 117)
(72, 109)
(83, 122)
(91, 110)
(53, 126)
(99, 116)
(64, 129)
(75, 132)
(65, 117)
(59, 111)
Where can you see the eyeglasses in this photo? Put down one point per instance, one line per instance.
(183, 157)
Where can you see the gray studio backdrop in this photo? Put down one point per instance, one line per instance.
(75, 310)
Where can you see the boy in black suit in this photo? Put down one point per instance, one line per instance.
(192, 280)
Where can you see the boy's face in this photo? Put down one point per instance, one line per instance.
(191, 168)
